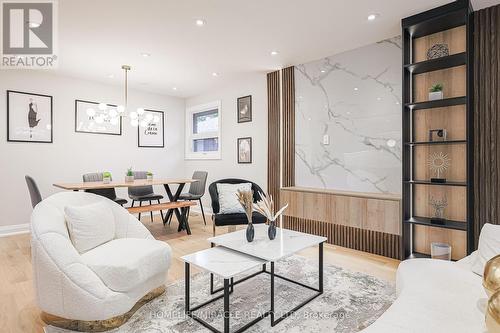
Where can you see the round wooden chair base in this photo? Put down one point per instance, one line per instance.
(100, 325)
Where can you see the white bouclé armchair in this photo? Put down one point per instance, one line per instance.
(102, 283)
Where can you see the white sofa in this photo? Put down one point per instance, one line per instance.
(435, 296)
(102, 283)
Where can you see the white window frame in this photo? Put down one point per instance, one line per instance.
(190, 111)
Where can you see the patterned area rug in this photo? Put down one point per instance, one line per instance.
(351, 302)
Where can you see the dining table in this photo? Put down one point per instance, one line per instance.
(166, 182)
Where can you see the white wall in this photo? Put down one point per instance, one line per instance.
(227, 167)
(72, 154)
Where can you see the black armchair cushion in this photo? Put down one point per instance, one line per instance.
(214, 195)
(237, 219)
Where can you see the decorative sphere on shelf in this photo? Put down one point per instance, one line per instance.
(491, 275)
(493, 313)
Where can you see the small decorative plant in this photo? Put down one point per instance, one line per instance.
(129, 177)
(266, 208)
(245, 199)
(106, 177)
(436, 87)
(149, 175)
(436, 92)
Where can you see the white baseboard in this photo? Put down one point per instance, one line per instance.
(15, 229)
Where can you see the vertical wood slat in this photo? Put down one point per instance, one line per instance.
(274, 119)
(288, 143)
(375, 242)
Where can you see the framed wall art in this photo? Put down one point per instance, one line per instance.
(245, 109)
(97, 118)
(29, 117)
(244, 150)
(153, 134)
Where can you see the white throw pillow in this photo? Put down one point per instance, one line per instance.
(228, 201)
(90, 226)
(489, 246)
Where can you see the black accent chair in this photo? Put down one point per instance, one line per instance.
(197, 190)
(143, 193)
(35, 195)
(220, 220)
(109, 193)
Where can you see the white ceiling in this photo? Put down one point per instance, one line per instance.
(96, 37)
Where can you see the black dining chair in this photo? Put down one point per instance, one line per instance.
(109, 193)
(143, 193)
(35, 195)
(233, 219)
(197, 190)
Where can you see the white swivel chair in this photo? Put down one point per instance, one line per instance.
(97, 289)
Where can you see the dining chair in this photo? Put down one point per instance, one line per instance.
(197, 190)
(143, 193)
(35, 195)
(109, 193)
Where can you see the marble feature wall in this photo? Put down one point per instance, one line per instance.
(348, 120)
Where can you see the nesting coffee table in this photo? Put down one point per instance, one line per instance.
(231, 255)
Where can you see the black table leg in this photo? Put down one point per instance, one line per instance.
(186, 278)
(173, 198)
(226, 305)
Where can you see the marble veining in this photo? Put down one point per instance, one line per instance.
(354, 98)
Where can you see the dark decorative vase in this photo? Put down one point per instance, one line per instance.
(250, 232)
(271, 231)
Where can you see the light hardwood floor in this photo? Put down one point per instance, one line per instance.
(18, 310)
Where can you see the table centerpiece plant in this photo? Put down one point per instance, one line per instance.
(149, 175)
(129, 176)
(106, 177)
(245, 199)
(266, 208)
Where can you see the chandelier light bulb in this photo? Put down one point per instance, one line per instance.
(101, 106)
(143, 123)
(134, 122)
(140, 111)
(120, 109)
(133, 115)
(90, 112)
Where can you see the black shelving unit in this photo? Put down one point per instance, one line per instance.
(452, 15)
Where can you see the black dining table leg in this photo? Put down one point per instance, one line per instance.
(173, 198)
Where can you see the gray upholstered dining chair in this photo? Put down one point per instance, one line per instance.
(35, 195)
(197, 190)
(143, 193)
(109, 193)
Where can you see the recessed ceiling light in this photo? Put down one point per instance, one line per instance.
(33, 24)
(356, 89)
(273, 53)
(322, 71)
(379, 98)
(174, 88)
(200, 22)
(372, 17)
(146, 55)
(215, 74)
(111, 76)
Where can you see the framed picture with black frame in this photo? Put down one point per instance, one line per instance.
(245, 150)
(245, 109)
(29, 117)
(153, 134)
(89, 118)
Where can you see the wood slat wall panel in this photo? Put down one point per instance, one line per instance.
(380, 243)
(273, 151)
(288, 92)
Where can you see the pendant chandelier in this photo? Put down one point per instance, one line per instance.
(105, 112)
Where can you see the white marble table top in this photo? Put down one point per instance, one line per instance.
(286, 243)
(223, 261)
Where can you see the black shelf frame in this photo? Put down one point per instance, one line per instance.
(440, 103)
(454, 60)
(455, 14)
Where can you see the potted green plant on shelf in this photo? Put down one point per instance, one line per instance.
(436, 92)
(129, 177)
(106, 177)
(149, 175)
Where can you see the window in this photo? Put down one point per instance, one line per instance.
(203, 131)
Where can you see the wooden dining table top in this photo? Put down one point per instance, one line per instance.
(137, 182)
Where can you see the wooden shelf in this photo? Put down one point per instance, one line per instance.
(440, 103)
(428, 182)
(448, 142)
(447, 224)
(437, 64)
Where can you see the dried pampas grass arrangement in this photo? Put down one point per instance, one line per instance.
(246, 201)
(266, 207)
